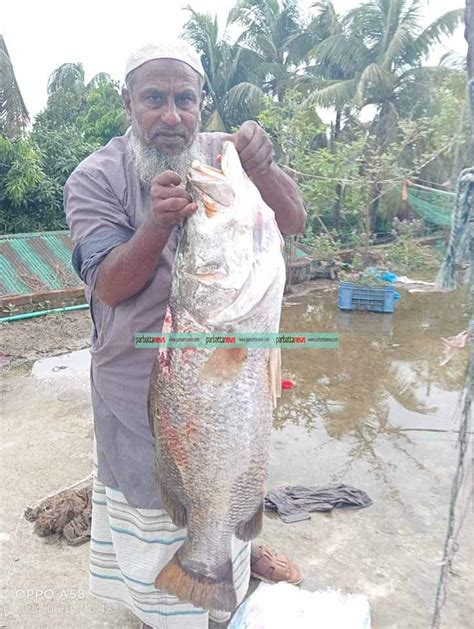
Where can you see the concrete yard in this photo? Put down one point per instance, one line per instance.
(379, 413)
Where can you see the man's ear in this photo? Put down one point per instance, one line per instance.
(127, 101)
(203, 96)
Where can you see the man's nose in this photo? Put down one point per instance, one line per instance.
(170, 116)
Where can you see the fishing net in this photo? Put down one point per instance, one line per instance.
(434, 206)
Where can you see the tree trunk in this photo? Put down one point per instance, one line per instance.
(337, 207)
(337, 129)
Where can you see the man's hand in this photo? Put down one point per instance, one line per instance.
(170, 203)
(254, 147)
(278, 190)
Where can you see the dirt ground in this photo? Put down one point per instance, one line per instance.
(57, 333)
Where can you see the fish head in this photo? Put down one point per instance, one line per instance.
(215, 254)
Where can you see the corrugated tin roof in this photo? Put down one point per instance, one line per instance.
(36, 263)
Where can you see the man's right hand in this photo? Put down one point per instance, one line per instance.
(170, 203)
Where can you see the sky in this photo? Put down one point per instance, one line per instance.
(43, 34)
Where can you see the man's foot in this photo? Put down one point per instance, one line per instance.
(217, 616)
(271, 568)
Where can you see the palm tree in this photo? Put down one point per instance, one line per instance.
(67, 95)
(380, 50)
(324, 24)
(71, 77)
(13, 113)
(269, 27)
(232, 95)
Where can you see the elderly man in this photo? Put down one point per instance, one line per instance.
(124, 205)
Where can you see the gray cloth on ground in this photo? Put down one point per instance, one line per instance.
(295, 503)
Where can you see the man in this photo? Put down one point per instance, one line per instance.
(125, 205)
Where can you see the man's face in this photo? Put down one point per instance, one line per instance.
(165, 105)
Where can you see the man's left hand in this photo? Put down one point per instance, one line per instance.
(254, 147)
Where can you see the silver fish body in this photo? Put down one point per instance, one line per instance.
(211, 409)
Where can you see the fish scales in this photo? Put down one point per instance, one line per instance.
(211, 409)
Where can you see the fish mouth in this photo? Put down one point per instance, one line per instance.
(208, 276)
(212, 186)
(205, 169)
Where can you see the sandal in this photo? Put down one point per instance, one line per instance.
(271, 568)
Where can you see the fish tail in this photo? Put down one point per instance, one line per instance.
(249, 529)
(201, 591)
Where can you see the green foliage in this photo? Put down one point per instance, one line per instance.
(28, 197)
(77, 120)
(275, 64)
(102, 116)
(61, 151)
(323, 248)
(62, 111)
(406, 256)
(232, 92)
(328, 176)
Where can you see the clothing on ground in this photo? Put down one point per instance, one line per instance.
(128, 549)
(294, 504)
(105, 204)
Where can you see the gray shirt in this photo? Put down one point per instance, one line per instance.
(105, 204)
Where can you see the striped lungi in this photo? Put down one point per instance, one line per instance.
(130, 546)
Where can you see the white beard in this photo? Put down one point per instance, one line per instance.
(149, 161)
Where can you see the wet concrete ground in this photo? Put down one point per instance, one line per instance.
(379, 413)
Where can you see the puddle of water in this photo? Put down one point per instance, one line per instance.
(386, 372)
(69, 372)
(379, 410)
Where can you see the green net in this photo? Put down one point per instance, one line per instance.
(435, 206)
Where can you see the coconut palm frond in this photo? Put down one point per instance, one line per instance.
(445, 25)
(13, 113)
(334, 94)
(69, 77)
(454, 61)
(366, 23)
(342, 50)
(215, 122)
(424, 74)
(202, 31)
(375, 77)
(245, 95)
(397, 44)
(270, 29)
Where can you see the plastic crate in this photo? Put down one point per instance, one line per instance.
(355, 297)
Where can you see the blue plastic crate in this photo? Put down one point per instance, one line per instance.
(355, 297)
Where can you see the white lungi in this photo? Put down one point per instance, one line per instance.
(130, 546)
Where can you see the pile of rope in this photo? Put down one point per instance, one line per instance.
(65, 515)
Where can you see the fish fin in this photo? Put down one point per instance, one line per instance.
(274, 364)
(197, 589)
(224, 363)
(175, 510)
(247, 531)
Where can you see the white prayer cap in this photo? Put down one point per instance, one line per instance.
(177, 49)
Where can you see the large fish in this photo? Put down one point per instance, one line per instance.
(211, 409)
